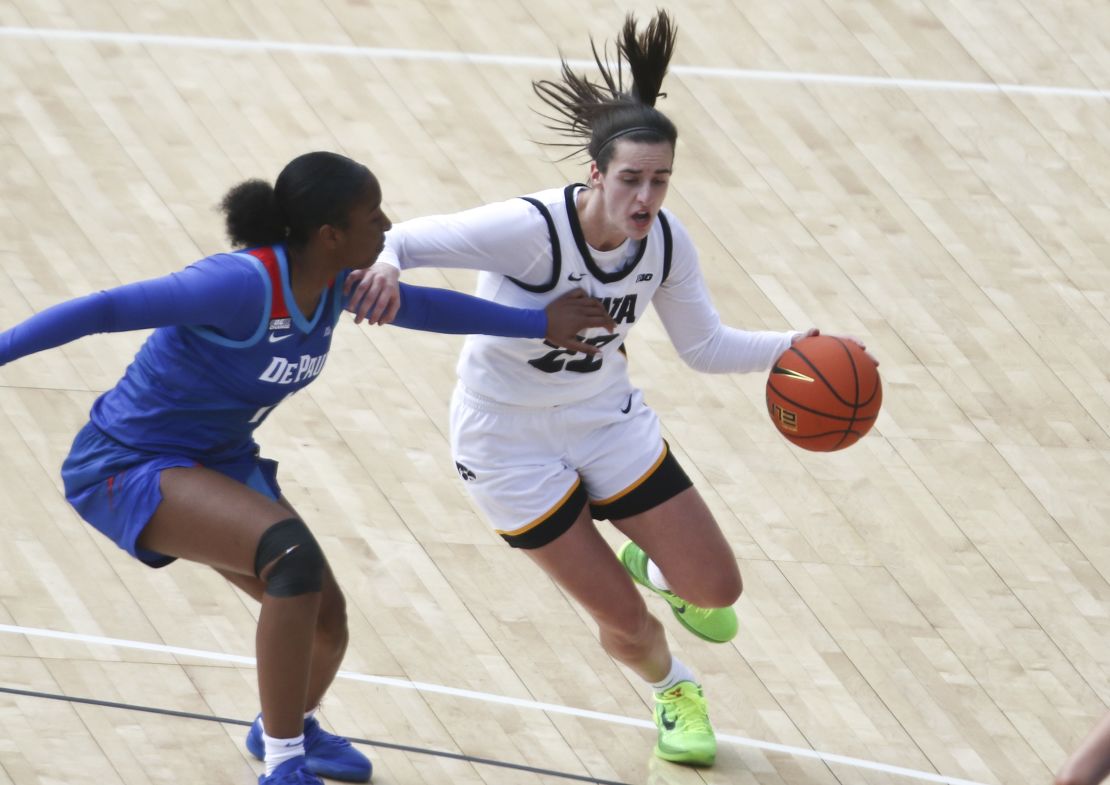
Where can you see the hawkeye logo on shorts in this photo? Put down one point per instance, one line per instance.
(465, 473)
(283, 371)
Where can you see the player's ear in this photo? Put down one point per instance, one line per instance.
(329, 236)
(595, 173)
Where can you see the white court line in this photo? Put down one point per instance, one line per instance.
(744, 74)
(550, 708)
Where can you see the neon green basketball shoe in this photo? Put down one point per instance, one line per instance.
(718, 625)
(685, 735)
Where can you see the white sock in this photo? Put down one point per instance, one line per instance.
(280, 750)
(655, 576)
(310, 714)
(679, 672)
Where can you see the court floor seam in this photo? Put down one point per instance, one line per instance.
(368, 742)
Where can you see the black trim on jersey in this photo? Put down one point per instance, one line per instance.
(668, 246)
(556, 254)
(667, 481)
(584, 249)
(554, 526)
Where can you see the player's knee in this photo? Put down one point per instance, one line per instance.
(717, 590)
(729, 590)
(289, 559)
(1071, 778)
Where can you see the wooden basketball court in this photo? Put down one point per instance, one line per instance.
(929, 605)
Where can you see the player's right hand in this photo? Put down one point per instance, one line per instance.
(571, 314)
(812, 331)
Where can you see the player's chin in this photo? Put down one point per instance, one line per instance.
(639, 227)
(374, 256)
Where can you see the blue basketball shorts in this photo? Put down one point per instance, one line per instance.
(117, 489)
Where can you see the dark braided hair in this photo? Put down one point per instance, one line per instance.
(312, 190)
(596, 115)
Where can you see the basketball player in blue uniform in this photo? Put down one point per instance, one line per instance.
(167, 466)
(547, 440)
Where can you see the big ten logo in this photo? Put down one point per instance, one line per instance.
(643, 277)
(787, 419)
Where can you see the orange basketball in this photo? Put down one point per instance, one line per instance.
(824, 393)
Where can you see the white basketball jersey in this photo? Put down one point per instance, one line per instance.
(531, 372)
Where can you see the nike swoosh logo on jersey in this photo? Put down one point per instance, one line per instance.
(275, 338)
(573, 277)
(628, 406)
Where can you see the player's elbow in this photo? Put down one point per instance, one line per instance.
(1069, 776)
(699, 358)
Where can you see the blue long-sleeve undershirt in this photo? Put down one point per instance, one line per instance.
(445, 311)
(226, 293)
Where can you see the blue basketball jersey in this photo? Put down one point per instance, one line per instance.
(229, 343)
(193, 391)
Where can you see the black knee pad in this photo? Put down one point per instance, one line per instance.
(298, 561)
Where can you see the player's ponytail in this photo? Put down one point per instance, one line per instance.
(597, 115)
(251, 215)
(313, 190)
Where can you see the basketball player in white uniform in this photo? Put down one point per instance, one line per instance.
(548, 440)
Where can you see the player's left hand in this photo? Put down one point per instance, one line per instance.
(374, 293)
(812, 331)
(572, 313)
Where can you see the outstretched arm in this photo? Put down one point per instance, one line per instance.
(509, 238)
(213, 292)
(447, 311)
(695, 327)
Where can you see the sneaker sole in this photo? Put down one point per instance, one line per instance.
(674, 610)
(703, 636)
(321, 767)
(685, 758)
(620, 557)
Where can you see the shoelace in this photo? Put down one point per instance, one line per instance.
(689, 610)
(697, 611)
(688, 709)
